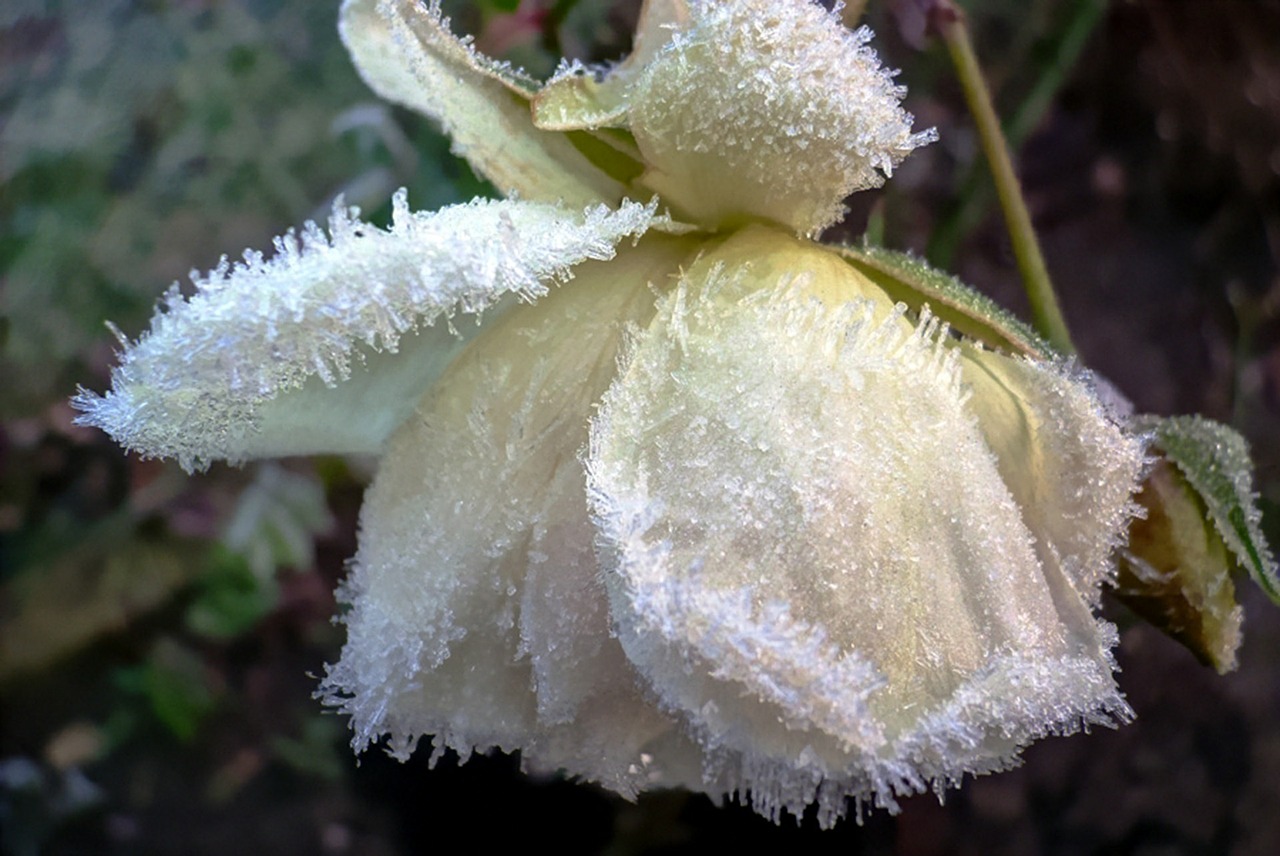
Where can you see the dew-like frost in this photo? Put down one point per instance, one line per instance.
(1068, 463)
(406, 53)
(477, 614)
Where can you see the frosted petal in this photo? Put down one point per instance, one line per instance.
(809, 551)
(1068, 464)
(247, 367)
(582, 98)
(767, 108)
(477, 613)
(407, 54)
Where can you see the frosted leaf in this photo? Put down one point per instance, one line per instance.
(407, 54)
(810, 553)
(1214, 459)
(767, 109)
(246, 366)
(477, 613)
(968, 312)
(1066, 462)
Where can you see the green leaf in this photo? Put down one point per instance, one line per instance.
(1215, 461)
(276, 520)
(176, 688)
(909, 280)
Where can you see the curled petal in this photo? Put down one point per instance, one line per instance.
(579, 98)
(248, 366)
(762, 108)
(406, 53)
(477, 614)
(810, 553)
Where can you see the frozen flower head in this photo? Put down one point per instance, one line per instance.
(701, 503)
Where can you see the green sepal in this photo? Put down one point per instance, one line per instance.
(911, 281)
(1215, 461)
(1175, 570)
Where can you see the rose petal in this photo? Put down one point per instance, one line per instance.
(248, 366)
(811, 555)
(767, 109)
(406, 53)
(477, 613)
(1068, 465)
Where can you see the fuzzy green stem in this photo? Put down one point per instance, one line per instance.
(949, 22)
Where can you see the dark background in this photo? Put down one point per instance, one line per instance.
(159, 633)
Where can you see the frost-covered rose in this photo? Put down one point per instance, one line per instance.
(701, 503)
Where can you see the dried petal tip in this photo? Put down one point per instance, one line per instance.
(768, 109)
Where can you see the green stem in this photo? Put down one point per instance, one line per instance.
(950, 24)
(975, 193)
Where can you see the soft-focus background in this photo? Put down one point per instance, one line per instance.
(160, 634)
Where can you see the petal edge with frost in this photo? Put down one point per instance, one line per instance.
(761, 109)
(477, 614)
(248, 366)
(811, 556)
(1068, 463)
(407, 54)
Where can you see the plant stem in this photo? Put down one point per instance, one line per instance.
(949, 22)
(975, 193)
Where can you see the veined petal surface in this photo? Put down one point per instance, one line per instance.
(1069, 465)
(810, 553)
(407, 54)
(477, 611)
(246, 367)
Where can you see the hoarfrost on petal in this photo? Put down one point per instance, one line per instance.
(810, 552)
(477, 613)
(1067, 462)
(407, 54)
(771, 109)
(246, 367)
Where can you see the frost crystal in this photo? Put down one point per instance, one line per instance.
(811, 554)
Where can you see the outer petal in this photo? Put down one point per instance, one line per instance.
(1068, 465)
(477, 613)
(247, 366)
(813, 557)
(406, 53)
